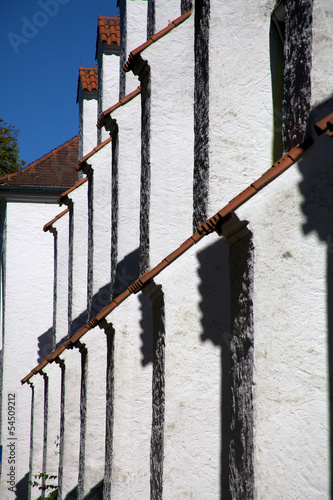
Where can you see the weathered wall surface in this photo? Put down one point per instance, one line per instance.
(88, 107)
(171, 140)
(133, 14)
(290, 345)
(240, 99)
(215, 381)
(131, 403)
(126, 195)
(61, 226)
(99, 246)
(27, 333)
(79, 257)
(321, 71)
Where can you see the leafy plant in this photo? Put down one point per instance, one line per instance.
(9, 150)
(44, 485)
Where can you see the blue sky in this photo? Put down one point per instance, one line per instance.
(42, 45)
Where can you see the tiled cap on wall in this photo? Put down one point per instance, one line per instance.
(109, 30)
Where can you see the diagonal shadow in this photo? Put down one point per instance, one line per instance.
(215, 308)
(316, 187)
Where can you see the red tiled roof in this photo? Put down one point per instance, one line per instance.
(122, 101)
(215, 223)
(87, 156)
(109, 30)
(55, 169)
(130, 62)
(88, 78)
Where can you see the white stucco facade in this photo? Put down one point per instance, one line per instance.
(209, 376)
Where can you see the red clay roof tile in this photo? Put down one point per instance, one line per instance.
(130, 62)
(66, 193)
(50, 224)
(109, 30)
(55, 169)
(88, 78)
(87, 156)
(124, 100)
(209, 226)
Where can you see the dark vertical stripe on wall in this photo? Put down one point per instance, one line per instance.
(145, 173)
(297, 68)
(55, 270)
(185, 5)
(150, 18)
(156, 297)
(241, 371)
(114, 212)
(70, 267)
(90, 244)
(109, 413)
(123, 46)
(46, 410)
(201, 112)
(83, 420)
(62, 426)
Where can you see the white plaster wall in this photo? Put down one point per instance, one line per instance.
(128, 118)
(171, 139)
(29, 281)
(95, 342)
(291, 434)
(79, 197)
(136, 26)
(132, 406)
(61, 312)
(109, 82)
(322, 72)
(72, 359)
(192, 440)
(38, 433)
(88, 119)
(240, 100)
(101, 163)
(53, 372)
(165, 12)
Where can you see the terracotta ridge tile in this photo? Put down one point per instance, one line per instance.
(66, 193)
(88, 67)
(88, 78)
(176, 22)
(83, 160)
(210, 225)
(122, 101)
(109, 33)
(48, 225)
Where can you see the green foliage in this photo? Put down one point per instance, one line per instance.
(44, 485)
(9, 150)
